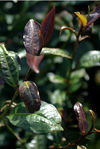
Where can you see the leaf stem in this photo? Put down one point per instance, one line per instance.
(14, 96)
(27, 74)
(8, 107)
(12, 132)
(77, 141)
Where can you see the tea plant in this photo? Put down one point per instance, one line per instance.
(26, 110)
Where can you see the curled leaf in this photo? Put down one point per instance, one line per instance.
(47, 26)
(93, 118)
(68, 28)
(30, 95)
(34, 62)
(97, 130)
(32, 38)
(81, 117)
(82, 18)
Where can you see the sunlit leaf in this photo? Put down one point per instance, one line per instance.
(81, 147)
(90, 59)
(82, 19)
(47, 119)
(97, 130)
(56, 78)
(68, 28)
(55, 51)
(81, 117)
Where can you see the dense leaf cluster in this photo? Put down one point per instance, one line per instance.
(51, 62)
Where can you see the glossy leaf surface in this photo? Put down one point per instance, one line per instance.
(55, 51)
(47, 119)
(32, 38)
(81, 117)
(9, 66)
(90, 59)
(47, 26)
(34, 62)
(30, 95)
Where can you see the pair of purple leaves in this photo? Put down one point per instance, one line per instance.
(35, 37)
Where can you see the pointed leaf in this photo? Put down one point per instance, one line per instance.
(90, 59)
(56, 78)
(50, 112)
(47, 26)
(9, 66)
(97, 130)
(32, 37)
(30, 95)
(55, 51)
(47, 119)
(34, 62)
(82, 19)
(81, 117)
(93, 118)
(68, 28)
(76, 79)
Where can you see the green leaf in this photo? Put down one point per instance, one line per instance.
(56, 78)
(47, 119)
(9, 66)
(75, 79)
(55, 51)
(81, 147)
(39, 141)
(57, 97)
(75, 86)
(90, 59)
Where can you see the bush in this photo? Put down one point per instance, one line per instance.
(48, 94)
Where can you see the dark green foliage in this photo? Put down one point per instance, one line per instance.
(65, 73)
(9, 66)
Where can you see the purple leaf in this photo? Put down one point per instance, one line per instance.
(32, 38)
(81, 117)
(34, 61)
(30, 95)
(47, 26)
(94, 16)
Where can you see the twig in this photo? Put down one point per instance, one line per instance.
(8, 107)
(18, 137)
